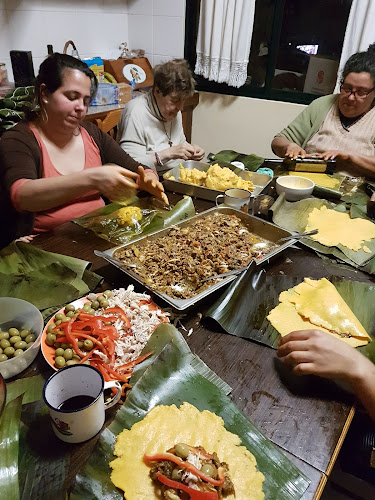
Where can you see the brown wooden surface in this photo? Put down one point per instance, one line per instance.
(306, 417)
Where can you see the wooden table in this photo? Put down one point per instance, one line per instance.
(306, 417)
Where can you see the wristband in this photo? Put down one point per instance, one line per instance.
(158, 159)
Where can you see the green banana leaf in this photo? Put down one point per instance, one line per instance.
(293, 216)
(9, 439)
(243, 308)
(171, 379)
(104, 223)
(251, 162)
(45, 279)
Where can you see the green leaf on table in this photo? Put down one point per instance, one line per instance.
(171, 379)
(9, 439)
(43, 278)
(30, 387)
(105, 221)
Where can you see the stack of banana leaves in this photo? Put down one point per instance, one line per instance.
(251, 162)
(172, 375)
(47, 280)
(293, 216)
(124, 221)
(14, 106)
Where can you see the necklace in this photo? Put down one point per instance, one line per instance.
(168, 135)
(77, 132)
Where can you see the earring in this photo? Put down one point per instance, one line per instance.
(45, 101)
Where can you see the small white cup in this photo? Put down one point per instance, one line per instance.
(78, 419)
(236, 198)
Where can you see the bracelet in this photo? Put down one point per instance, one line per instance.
(158, 159)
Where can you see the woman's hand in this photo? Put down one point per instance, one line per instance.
(333, 154)
(293, 151)
(183, 151)
(149, 182)
(112, 181)
(314, 352)
(198, 153)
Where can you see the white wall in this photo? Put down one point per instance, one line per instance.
(243, 124)
(97, 27)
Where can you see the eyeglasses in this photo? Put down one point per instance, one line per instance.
(348, 90)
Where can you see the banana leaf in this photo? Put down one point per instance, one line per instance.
(105, 224)
(9, 439)
(45, 279)
(251, 162)
(171, 379)
(293, 216)
(243, 308)
(30, 387)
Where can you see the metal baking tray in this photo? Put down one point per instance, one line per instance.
(257, 226)
(260, 181)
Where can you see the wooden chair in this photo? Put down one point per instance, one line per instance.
(109, 123)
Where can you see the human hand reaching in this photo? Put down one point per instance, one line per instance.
(198, 153)
(149, 182)
(293, 151)
(112, 181)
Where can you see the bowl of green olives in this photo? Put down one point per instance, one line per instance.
(21, 326)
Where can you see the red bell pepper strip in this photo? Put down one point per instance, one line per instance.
(117, 311)
(86, 316)
(194, 494)
(188, 466)
(131, 364)
(67, 327)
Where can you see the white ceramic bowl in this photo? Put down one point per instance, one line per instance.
(22, 315)
(295, 187)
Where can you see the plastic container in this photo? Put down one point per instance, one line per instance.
(22, 315)
(295, 188)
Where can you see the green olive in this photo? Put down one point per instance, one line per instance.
(71, 362)
(29, 344)
(50, 339)
(13, 331)
(15, 338)
(87, 362)
(70, 308)
(24, 333)
(95, 304)
(4, 335)
(66, 345)
(50, 327)
(87, 306)
(3, 357)
(181, 450)
(76, 357)
(91, 311)
(107, 293)
(68, 354)
(104, 304)
(1, 351)
(59, 361)
(80, 344)
(100, 298)
(9, 351)
(20, 345)
(70, 314)
(57, 322)
(4, 343)
(60, 316)
(177, 474)
(65, 320)
(17, 352)
(88, 344)
(209, 470)
(30, 338)
(59, 352)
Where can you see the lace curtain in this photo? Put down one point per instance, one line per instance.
(224, 39)
(359, 32)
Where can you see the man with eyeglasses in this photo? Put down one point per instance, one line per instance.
(340, 126)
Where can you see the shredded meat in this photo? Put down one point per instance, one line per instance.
(177, 263)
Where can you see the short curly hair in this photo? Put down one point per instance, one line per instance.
(361, 62)
(174, 77)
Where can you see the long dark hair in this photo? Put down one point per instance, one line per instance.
(361, 62)
(51, 73)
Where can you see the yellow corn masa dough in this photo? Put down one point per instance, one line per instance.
(128, 216)
(322, 180)
(316, 304)
(192, 176)
(339, 228)
(166, 426)
(223, 178)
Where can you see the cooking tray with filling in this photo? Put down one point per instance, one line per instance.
(260, 181)
(258, 227)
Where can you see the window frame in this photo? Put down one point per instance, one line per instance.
(266, 92)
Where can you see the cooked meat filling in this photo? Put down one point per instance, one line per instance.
(177, 263)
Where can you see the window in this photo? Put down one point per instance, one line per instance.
(295, 49)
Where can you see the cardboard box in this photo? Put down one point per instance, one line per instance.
(124, 93)
(321, 75)
(124, 70)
